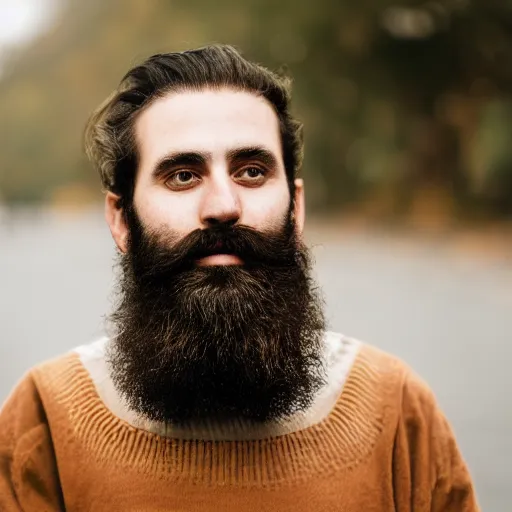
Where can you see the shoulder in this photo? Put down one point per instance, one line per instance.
(50, 381)
(23, 408)
(23, 423)
(378, 387)
(383, 373)
(427, 464)
(27, 399)
(405, 389)
(400, 382)
(65, 378)
(25, 404)
(392, 386)
(28, 473)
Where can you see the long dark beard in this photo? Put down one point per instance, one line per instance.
(198, 343)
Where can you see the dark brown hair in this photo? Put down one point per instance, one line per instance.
(109, 135)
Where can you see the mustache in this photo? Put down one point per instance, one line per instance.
(157, 255)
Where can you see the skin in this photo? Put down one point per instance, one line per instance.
(208, 157)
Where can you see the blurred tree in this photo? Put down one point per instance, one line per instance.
(396, 96)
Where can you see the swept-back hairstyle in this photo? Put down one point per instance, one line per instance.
(109, 135)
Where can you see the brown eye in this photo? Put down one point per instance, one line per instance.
(252, 175)
(253, 172)
(181, 179)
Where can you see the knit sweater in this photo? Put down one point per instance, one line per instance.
(384, 445)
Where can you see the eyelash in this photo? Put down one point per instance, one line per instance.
(263, 173)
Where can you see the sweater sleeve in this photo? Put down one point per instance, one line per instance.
(429, 473)
(28, 470)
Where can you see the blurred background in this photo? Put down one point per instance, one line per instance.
(407, 107)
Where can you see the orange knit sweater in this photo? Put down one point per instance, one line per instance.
(385, 446)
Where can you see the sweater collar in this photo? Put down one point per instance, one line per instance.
(339, 354)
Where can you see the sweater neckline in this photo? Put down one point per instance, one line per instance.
(343, 439)
(338, 355)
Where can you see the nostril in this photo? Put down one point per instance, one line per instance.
(213, 221)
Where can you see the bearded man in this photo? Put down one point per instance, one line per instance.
(218, 387)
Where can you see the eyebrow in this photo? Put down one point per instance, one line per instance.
(265, 156)
(180, 159)
(199, 159)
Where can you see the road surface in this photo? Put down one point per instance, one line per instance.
(446, 313)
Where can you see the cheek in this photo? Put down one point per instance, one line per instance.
(159, 210)
(265, 209)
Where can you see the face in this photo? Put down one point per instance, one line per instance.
(217, 316)
(207, 158)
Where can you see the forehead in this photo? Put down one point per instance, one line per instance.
(213, 121)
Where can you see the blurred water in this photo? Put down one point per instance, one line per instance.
(448, 315)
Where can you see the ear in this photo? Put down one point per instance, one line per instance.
(115, 220)
(299, 207)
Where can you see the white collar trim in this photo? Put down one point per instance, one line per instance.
(339, 355)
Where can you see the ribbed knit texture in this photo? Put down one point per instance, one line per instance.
(384, 446)
(351, 428)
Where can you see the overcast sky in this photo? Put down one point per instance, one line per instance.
(22, 20)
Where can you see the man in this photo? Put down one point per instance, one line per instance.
(218, 387)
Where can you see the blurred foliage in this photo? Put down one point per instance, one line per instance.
(406, 105)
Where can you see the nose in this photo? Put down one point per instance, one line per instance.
(220, 205)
